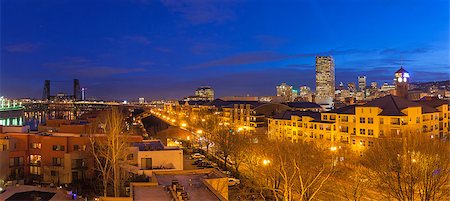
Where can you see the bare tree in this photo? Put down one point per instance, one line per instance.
(291, 171)
(410, 168)
(110, 150)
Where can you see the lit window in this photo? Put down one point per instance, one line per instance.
(370, 132)
(370, 120)
(362, 131)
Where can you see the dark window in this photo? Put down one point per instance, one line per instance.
(130, 157)
(58, 162)
(370, 132)
(53, 173)
(76, 147)
(362, 131)
(370, 120)
(146, 163)
(58, 148)
(362, 120)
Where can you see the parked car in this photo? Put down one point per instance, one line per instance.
(197, 156)
(198, 161)
(233, 181)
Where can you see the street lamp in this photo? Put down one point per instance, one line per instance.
(199, 131)
(183, 125)
(266, 163)
(333, 149)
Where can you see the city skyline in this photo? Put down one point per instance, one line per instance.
(167, 49)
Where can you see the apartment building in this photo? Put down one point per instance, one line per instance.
(57, 158)
(49, 158)
(359, 125)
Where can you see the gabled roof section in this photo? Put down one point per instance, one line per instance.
(401, 70)
(433, 101)
(393, 105)
(303, 105)
(288, 113)
(350, 109)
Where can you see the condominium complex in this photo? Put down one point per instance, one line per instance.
(325, 83)
(359, 125)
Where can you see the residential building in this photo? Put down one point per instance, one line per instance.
(149, 156)
(359, 125)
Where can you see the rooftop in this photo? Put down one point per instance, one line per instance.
(393, 105)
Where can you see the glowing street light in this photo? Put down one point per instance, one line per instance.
(173, 120)
(199, 131)
(333, 148)
(183, 125)
(203, 120)
(266, 162)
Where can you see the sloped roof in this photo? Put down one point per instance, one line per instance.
(303, 105)
(433, 101)
(350, 109)
(401, 70)
(288, 113)
(393, 105)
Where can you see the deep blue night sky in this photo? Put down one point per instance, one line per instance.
(165, 49)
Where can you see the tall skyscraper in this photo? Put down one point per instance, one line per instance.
(285, 91)
(362, 83)
(351, 86)
(205, 92)
(325, 84)
(373, 85)
(401, 83)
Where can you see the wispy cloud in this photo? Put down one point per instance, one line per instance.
(270, 41)
(163, 49)
(269, 56)
(418, 50)
(21, 47)
(139, 39)
(202, 11)
(83, 67)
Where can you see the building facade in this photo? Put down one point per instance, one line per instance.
(362, 83)
(285, 91)
(325, 81)
(359, 126)
(205, 92)
(401, 81)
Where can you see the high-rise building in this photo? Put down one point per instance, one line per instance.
(325, 84)
(351, 86)
(285, 91)
(401, 82)
(306, 94)
(205, 92)
(141, 100)
(362, 83)
(373, 85)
